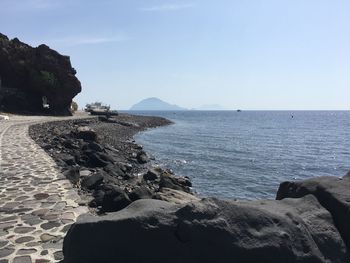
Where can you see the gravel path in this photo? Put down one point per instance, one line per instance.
(37, 203)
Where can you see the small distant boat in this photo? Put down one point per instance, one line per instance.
(239, 110)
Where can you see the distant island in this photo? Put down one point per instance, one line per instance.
(155, 104)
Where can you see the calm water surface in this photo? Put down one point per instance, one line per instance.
(246, 155)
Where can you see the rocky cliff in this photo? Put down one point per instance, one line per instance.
(35, 80)
(308, 223)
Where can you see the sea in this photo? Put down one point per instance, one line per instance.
(247, 154)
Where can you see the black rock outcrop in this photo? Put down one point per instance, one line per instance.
(210, 230)
(35, 80)
(331, 192)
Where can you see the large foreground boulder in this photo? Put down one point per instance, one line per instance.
(35, 80)
(291, 230)
(333, 193)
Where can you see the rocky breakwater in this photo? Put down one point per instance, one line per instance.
(307, 223)
(100, 158)
(35, 80)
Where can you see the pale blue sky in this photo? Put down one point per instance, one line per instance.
(249, 54)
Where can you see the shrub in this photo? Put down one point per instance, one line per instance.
(73, 107)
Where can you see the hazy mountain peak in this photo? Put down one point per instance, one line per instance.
(156, 104)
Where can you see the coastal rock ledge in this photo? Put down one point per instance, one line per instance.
(308, 224)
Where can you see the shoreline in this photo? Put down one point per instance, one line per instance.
(102, 160)
(308, 221)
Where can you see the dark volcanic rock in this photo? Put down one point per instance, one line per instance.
(72, 174)
(175, 196)
(291, 230)
(31, 75)
(93, 146)
(141, 192)
(168, 180)
(114, 199)
(114, 170)
(67, 158)
(97, 159)
(92, 181)
(142, 157)
(151, 175)
(86, 133)
(333, 193)
(70, 144)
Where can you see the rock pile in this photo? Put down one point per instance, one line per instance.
(111, 176)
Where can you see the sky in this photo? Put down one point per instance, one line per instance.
(246, 54)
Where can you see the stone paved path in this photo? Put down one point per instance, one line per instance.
(37, 204)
